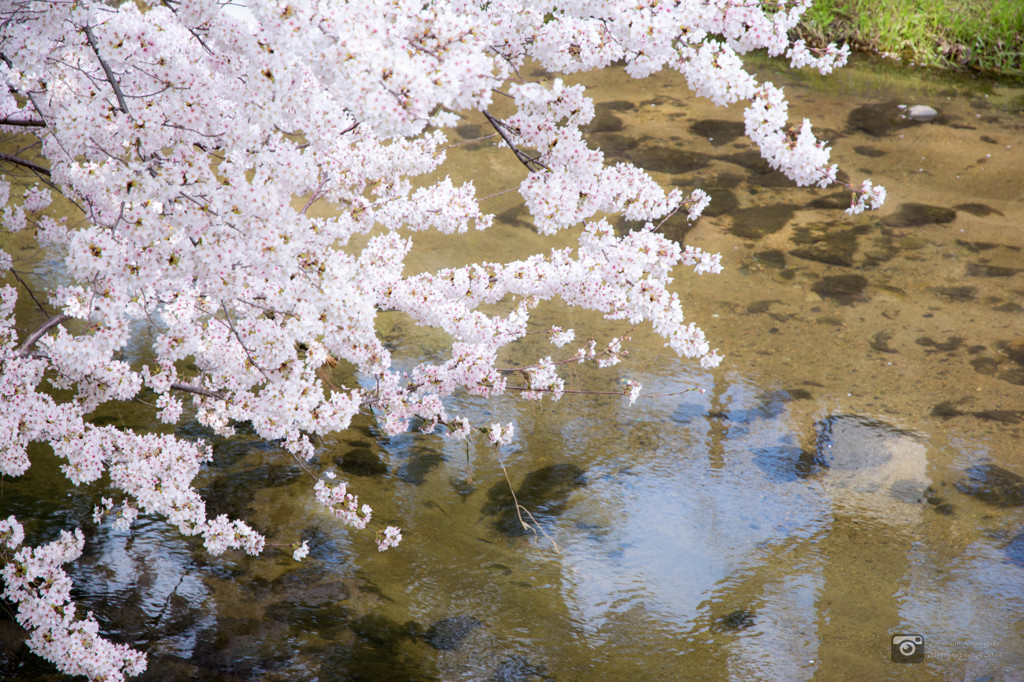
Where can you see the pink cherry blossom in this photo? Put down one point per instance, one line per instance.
(248, 181)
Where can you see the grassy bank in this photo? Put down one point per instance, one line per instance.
(978, 35)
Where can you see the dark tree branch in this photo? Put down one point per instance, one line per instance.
(11, 158)
(531, 163)
(38, 334)
(199, 391)
(91, 37)
(24, 123)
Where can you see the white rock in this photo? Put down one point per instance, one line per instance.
(921, 112)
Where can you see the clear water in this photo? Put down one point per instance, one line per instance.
(813, 502)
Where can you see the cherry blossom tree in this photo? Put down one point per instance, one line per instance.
(190, 139)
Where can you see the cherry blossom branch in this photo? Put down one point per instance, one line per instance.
(21, 122)
(186, 388)
(89, 36)
(34, 337)
(531, 164)
(10, 158)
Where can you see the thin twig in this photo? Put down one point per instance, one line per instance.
(231, 325)
(530, 163)
(525, 525)
(29, 290)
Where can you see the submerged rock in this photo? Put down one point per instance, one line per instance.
(361, 462)
(993, 485)
(847, 289)
(517, 668)
(873, 468)
(1015, 549)
(756, 222)
(544, 492)
(718, 132)
(740, 619)
(449, 633)
(913, 214)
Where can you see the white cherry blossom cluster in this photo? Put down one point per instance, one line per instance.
(36, 583)
(243, 186)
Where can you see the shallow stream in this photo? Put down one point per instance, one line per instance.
(853, 470)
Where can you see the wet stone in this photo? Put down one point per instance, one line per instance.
(880, 342)
(231, 493)
(914, 215)
(469, 131)
(909, 491)
(976, 247)
(383, 631)
(772, 258)
(462, 487)
(879, 120)
(961, 294)
(871, 152)
(449, 633)
(750, 159)
(844, 440)
(517, 668)
(604, 122)
(740, 619)
(846, 289)
(824, 243)
(1014, 350)
(1015, 549)
(921, 112)
(759, 307)
(787, 463)
(937, 502)
(986, 270)
(1012, 376)
(416, 469)
(544, 492)
(361, 462)
(980, 210)
(1003, 416)
(839, 201)
(983, 365)
(948, 409)
(719, 132)
(326, 620)
(993, 485)
(760, 221)
(723, 201)
(667, 159)
(950, 344)
(617, 105)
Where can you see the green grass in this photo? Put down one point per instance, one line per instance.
(978, 35)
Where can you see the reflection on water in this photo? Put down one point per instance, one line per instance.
(850, 473)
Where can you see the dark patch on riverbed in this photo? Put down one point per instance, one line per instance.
(993, 485)
(718, 132)
(915, 215)
(757, 222)
(846, 289)
(544, 492)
